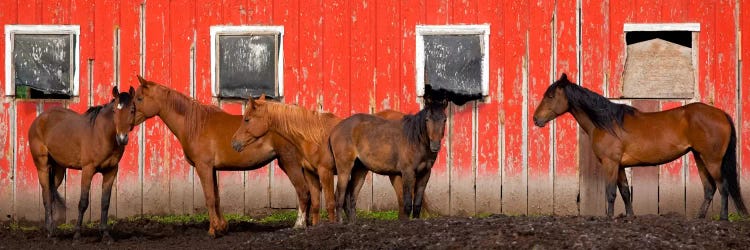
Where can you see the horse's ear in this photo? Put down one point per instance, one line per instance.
(262, 97)
(115, 92)
(131, 91)
(142, 81)
(564, 77)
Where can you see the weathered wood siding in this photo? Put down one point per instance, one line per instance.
(350, 57)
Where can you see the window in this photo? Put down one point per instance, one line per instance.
(41, 61)
(247, 61)
(659, 61)
(453, 58)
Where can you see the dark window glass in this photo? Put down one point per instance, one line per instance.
(454, 63)
(247, 65)
(43, 65)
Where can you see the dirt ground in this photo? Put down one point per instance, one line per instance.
(497, 231)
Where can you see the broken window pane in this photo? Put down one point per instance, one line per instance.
(247, 65)
(454, 63)
(42, 65)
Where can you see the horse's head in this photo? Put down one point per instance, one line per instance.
(554, 103)
(435, 121)
(124, 109)
(147, 104)
(254, 125)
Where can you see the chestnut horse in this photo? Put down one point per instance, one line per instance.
(622, 136)
(406, 147)
(308, 131)
(93, 143)
(205, 131)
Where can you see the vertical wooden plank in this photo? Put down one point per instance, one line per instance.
(703, 12)
(515, 170)
(234, 12)
(258, 182)
(388, 33)
(311, 58)
(28, 195)
(672, 178)
(336, 35)
(743, 129)
(725, 70)
(540, 58)
(620, 12)
(32, 12)
(463, 178)
(566, 144)
(129, 184)
(182, 25)
(488, 179)
(157, 158)
(286, 13)
(594, 41)
(82, 13)
(56, 12)
(363, 73)
(232, 183)
(7, 143)
(674, 10)
(412, 13)
(645, 180)
(210, 14)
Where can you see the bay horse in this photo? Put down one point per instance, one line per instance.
(308, 131)
(622, 136)
(205, 132)
(92, 142)
(407, 147)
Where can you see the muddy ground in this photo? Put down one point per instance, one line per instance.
(497, 231)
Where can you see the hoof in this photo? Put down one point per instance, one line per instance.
(77, 236)
(107, 239)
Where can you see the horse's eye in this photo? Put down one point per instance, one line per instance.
(247, 120)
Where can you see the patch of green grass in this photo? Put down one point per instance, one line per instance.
(176, 219)
(238, 218)
(378, 215)
(733, 217)
(15, 226)
(280, 217)
(482, 215)
(65, 227)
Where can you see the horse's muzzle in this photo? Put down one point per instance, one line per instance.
(539, 122)
(435, 146)
(122, 139)
(237, 146)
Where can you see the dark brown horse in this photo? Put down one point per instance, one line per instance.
(622, 136)
(406, 147)
(205, 132)
(93, 143)
(308, 131)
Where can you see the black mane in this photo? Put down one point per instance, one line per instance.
(602, 112)
(94, 111)
(415, 128)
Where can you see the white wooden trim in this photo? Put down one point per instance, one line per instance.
(695, 27)
(476, 29)
(246, 30)
(11, 30)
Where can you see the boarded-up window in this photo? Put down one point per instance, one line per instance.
(454, 59)
(247, 62)
(43, 61)
(659, 64)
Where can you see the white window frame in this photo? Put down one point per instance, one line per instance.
(478, 29)
(246, 30)
(12, 30)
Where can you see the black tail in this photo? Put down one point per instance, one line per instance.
(729, 170)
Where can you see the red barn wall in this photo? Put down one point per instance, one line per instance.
(350, 57)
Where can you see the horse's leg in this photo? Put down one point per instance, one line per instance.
(58, 209)
(709, 186)
(43, 169)
(295, 173)
(398, 186)
(326, 181)
(108, 178)
(419, 192)
(408, 176)
(222, 226)
(611, 170)
(622, 184)
(714, 169)
(206, 175)
(344, 169)
(314, 184)
(359, 173)
(83, 204)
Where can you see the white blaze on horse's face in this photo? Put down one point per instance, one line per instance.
(119, 106)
